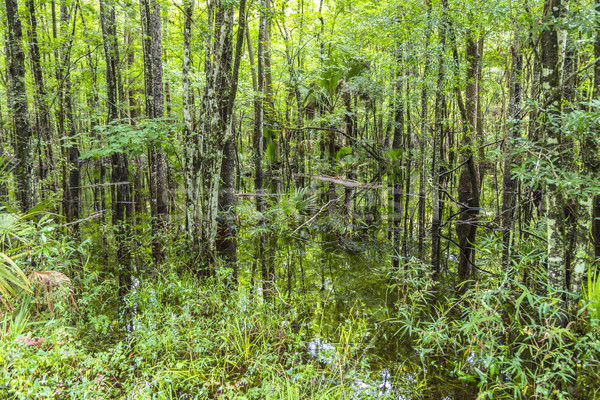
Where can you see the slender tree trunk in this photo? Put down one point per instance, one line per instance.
(258, 160)
(120, 170)
(227, 230)
(71, 180)
(437, 147)
(397, 145)
(158, 155)
(190, 173)
(409, 160)
(423, 135)
(592, 161)
(44, 127)
(509, 189)
(468, 185)
(553, 196)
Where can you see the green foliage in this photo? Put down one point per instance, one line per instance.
(190, 339)
(500, 338)
(592, 293)
(121, 137)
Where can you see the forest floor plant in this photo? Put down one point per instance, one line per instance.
(191, 339)
(499, 338)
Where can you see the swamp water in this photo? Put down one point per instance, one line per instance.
(346, 329)
(354, 300)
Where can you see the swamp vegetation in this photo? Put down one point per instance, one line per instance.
(299, 199)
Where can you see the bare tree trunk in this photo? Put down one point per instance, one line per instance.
(216, 127)
(509, 190)
(423, 135)
(258, 160)
(553, 196)
(120, 170)
(468, 185)
(26, 192)
(44, 127)
(190, 174)
(437, 147)
(409, 160)
(158, 155)
(71, 175)
(397, 144)
(226, 244)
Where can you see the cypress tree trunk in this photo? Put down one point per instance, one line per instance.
(423, 136)
(227, 231)
(226, 244)
(18, 95)
(553, 196)
(44, 127)
(158, 162)
(468, 183)
(216, 127)
(509, 184)
(120, 170)
(190, 175)
(259, 137)
(437, 147)
(397, 144)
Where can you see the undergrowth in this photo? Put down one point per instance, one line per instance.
(187, 339)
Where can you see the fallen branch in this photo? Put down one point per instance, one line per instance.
(339, 181)
(93, 216)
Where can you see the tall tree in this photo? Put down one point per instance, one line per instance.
(438, 145)
(509, 183)
(226, 244)
(553, 196)
(18, 93)
(216, 126)
(259, 115)
(191, 185)
(468, 184)
(120, 170)
(158, 161)
(44, 127)
(424, 129)
(397, 144)
(70, 147)
(591, 159)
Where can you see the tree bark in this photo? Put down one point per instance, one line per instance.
(216, 127)
(259, 112)
(161, 217)
(120, 170)
(553, 196)
(44, 127)
(26, 192)
(226, 244)
(468, 183)
(509, 184)
(397, 145)
(437, 147)
(423, 136)
(190, 175)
